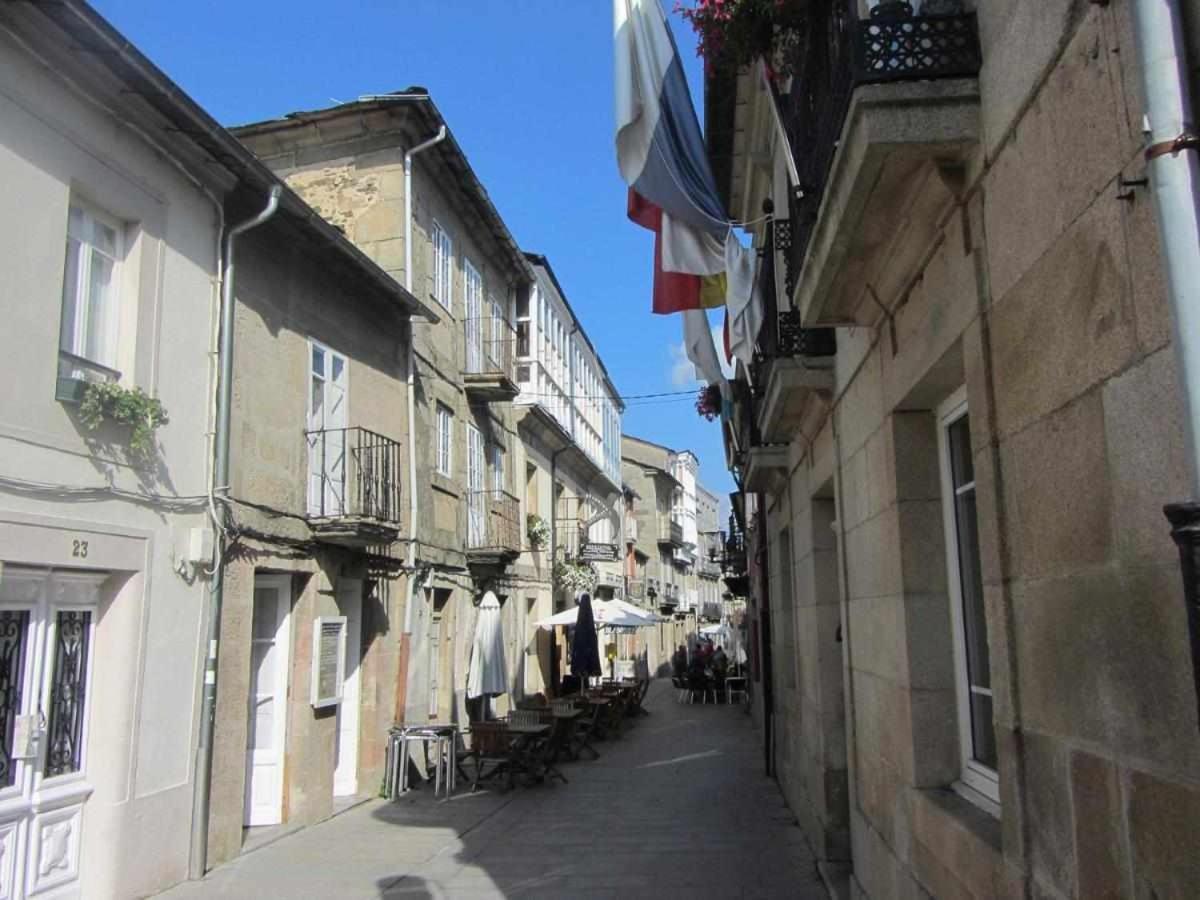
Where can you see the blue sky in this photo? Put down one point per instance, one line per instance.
(526, 86)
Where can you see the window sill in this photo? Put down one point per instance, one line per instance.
(955, 835)
(435, 299)
(446, 485)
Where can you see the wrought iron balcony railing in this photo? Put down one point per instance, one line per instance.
(490, 347)
(838, 52)
(493, 522)
(670, 532)
(353, 472)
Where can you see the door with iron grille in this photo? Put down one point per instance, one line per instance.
(47, 629)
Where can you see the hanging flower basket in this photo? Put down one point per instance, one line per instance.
(737, 32)
(537, 530)
(708, 402)
(572, 577)
(133, 409)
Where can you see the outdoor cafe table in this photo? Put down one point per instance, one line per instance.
(445, 740)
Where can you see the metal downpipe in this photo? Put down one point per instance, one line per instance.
(202, 776)
(1171, 162)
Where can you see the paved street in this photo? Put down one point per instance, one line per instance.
(677, 807)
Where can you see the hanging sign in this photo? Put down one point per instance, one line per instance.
(598, 552)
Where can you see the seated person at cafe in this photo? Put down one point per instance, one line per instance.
(720, 662)
(679, 662)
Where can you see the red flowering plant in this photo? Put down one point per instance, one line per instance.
(708, 402)
(737, 32)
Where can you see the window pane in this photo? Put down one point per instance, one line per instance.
(77, 224)
(70, 300)
(64, 732)
(263, 625)
(99, 290)
(104, 238)
(983, 732)
(974, 615)
(959, 435)
(14, 634)
(338, 364)
(318, 361)
(317, 403)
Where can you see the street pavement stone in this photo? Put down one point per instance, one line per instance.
(678, 806)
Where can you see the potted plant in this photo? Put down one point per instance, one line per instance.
(573, 577)
(737, 32)
(131, 408)
(708, 402)
(537, 530)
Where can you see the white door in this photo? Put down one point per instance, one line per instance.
(476, 502)
(327, 435)
(435, 662)
(345, 772)
(47, 631)
(474, 324)
(270, 647)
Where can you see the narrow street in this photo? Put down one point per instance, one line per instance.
(677, 807)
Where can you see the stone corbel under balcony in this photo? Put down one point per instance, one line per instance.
(766, 468)
(791, 381)
(894, 179)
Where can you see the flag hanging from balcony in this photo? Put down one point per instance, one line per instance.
(661, 155)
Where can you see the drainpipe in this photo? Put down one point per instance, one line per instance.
(1174, 170)
(202, 782)
(410, 379)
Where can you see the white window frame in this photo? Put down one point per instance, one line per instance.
(81, 326)
(444, 451)
(978, 779)
(443, 267)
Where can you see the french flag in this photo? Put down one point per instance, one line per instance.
(661, 155)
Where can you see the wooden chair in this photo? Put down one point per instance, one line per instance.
(492, 744)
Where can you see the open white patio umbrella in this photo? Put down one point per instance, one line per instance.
(605, 612)
(651, 617)
(488, 675)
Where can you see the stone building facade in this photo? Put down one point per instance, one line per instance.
(348, 162)
(316, 518)
(971, 665)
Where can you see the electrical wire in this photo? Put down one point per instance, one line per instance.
(100, 493)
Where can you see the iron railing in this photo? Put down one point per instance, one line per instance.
(493, 521)
(669, 531)
(835, 54)
(353, 472)
(490, 346)
(734, 559)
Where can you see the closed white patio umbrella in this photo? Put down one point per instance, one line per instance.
(488, 675)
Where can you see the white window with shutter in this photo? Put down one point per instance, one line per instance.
(476, 502)
(445, 441)
(91, 293)
(443, 266)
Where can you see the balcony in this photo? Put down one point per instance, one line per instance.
(670, 532)
(669, 596)
(493, 528)
(631, 529)
(794, 365)
(353, 487)
(882, 115)
(489, 375)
